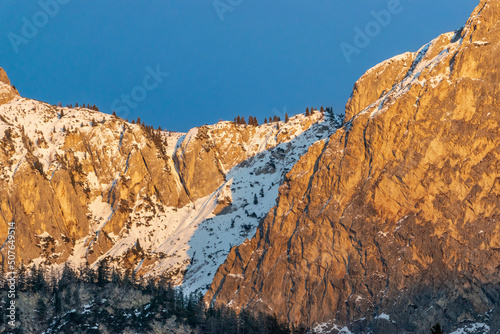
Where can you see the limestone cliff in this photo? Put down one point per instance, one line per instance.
(391, 225)
(82, 186)
(7, 92)
(209, 152)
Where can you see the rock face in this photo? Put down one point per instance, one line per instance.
(82, 186)
(393, 224)
(7, 92)
(209, 152)
(3, 77)
(75, 175)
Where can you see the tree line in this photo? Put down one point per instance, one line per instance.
(61, 304)
(88, 106)
(252, 120)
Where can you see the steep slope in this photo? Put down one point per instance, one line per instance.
(391, 225)
(83, 186)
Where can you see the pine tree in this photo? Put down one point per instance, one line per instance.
(286, 118)
(265, 120)
(255, 200)
(41, 309)
(322, 109)
(243, 121)
(57, 302)
(76, 105)
(21, 277)
(307, 111)
(114, 113)
(102, 273)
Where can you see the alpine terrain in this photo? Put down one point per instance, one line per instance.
(386, 221)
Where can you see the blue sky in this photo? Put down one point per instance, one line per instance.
(223, 58)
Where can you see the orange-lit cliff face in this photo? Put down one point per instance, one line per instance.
(392, 225)
(82, 186)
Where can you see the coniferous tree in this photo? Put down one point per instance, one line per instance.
(114, 113)
(286, 118)
(37, 279)
(307, 111)
(265, 120)
(138, 246)
(102, 273)
(41, 309)
(21, 277)
(57, 302)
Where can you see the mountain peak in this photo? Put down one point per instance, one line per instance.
(7, 92)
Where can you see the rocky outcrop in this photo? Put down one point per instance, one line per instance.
(392, 225)
(82, 186)
(207, 153)
(72, 185)
(3, 77)
(7, 92)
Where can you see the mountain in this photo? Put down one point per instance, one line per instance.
(84, 187)
(391, 225)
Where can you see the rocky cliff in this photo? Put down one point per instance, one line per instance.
(82, 186)
(7, 92)
(391, 225)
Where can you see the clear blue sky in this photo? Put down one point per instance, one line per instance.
(264, 57)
